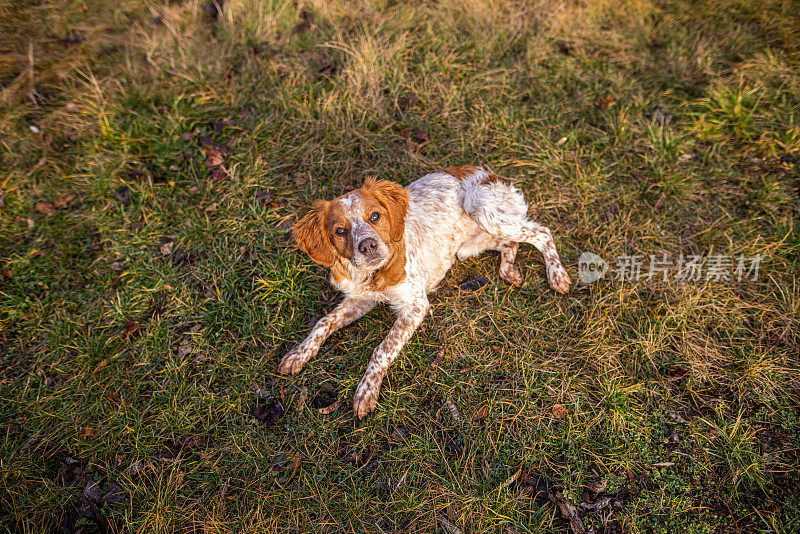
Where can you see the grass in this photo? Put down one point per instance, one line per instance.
(144, 305)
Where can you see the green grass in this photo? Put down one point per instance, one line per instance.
(683, 398)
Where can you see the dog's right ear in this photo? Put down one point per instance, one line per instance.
(311, 235)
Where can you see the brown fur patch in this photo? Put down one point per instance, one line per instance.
(461, 172)
(394, 200)
(491, 179)
(395, 269)
(312, 237)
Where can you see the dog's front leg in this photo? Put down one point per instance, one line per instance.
(409, 317)
(345, 313)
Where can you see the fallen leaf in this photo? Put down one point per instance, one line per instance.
(194, 190)
(47, 208)
(332, 408)
(606, 102)
(215, 157)
(399, 435)
(660, 116)
(481, 413)
(664, 464)
(63, 201)
(417, 137)
(510, 480)
(183, 350)
(408, 101)
(439, 357)
(268, 411)
(660, 202)
(123, 195)
(597, 486)
(447, 525)
(473, 284)
(453, 411)
(325, 71)
(131, 329)
(569, 512)
(264, 196)
(119, 264)
(301, 400)
(559, 411)
(210, 207)
(287, 223)
(179, 258)
(166, 248)
(296, 461)
(599, 504)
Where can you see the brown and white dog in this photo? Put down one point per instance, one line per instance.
(386, 243)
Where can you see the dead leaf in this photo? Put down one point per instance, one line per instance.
(46, 208)
(559, 412)
(301, 400)
(439, 357)
(660, 202)
(287, 223)
(183, 350)
(267, 410)
(123, 195)
(474, 283)
(131, 329)
(325, 71)
(481, 414)
(447, 525)
(664, 464)
(453, 411)
(510, 480)
(399, 435)
(215, 157)
(417, 137)
(332, 408)
(210, 207)
(607, 102)
(296, 460)
(166, 248)
(597, 486)
(599, 504)
(569, 512)
(119, 264)
(194, 190)
(63, 201)
(408, 101)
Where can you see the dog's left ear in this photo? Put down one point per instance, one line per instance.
(312, 237)
(394, 199)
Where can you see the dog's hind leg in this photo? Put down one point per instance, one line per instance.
(500, 209)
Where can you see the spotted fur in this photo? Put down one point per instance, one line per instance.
(385, 243)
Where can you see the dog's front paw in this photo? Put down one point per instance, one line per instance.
(293, 361)
(559, 279)
(366, 397)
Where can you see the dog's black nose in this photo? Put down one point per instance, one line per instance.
(367, 245)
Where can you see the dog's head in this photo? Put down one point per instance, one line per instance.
(364, 227)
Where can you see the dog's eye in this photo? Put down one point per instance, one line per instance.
(341, 231)
(374, 217)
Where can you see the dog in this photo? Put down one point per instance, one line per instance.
(386, 243)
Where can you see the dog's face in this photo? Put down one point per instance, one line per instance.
(362, 227)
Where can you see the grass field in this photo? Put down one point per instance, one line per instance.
(149, 285)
